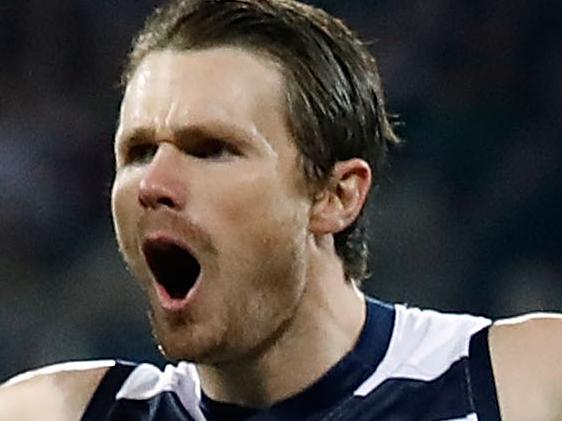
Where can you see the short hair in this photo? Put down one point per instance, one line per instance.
(334, 97)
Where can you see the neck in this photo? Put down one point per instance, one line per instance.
(324, 328)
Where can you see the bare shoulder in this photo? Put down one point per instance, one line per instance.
(59, 392)
(526, 355)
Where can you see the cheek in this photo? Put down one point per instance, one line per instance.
(258, 215)
(124, 209)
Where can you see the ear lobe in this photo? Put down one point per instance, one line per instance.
(341, 200)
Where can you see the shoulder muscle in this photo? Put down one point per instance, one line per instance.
(59, 392)
(526, 354)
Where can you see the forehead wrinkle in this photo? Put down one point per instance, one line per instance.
(158, 95)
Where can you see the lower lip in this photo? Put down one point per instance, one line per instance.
(169, 303)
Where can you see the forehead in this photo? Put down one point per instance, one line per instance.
(227, 85)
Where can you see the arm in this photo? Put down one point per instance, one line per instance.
(57, 393)
(526, 355)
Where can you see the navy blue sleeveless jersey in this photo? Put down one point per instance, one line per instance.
(407, 365)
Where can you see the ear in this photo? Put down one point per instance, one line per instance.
(339, 203)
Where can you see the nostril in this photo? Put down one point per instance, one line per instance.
(163, 201)
(166, 201)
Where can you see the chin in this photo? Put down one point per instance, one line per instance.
(176, 351)
(179, 340)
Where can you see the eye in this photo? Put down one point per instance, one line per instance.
(212, 149)
(140, 153)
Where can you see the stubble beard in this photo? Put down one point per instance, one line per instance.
(181, 339)
(241, 330)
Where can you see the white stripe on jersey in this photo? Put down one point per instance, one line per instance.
(147, 381)
(58, 368)
(423, 346)
(469, 417)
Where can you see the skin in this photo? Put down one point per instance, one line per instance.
(272, 310)
(52, 394)
(526, 355)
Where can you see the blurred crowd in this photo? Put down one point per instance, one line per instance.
(467, 218)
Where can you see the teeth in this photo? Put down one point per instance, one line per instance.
(173, 267)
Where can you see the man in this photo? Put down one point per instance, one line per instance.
(249, 137)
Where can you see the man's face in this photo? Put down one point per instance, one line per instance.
(209, 203)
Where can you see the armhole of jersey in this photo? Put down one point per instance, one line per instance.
(104, 396)
(482, 377)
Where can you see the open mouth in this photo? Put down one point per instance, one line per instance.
(173, 267)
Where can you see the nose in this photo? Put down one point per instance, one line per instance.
(161, 184)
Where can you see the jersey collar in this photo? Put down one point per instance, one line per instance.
(336, 385)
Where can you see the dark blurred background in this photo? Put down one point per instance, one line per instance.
(466, 219)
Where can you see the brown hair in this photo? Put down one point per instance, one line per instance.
(334, 96)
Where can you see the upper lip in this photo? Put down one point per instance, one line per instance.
(159, 239)
(162, 238)
(167, 227)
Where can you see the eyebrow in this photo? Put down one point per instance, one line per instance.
(214, 129)
(137, 133)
